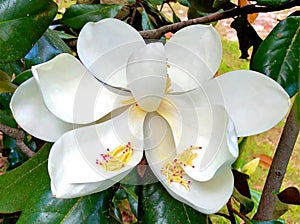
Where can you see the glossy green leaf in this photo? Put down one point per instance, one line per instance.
(185, 3)
(203, 6)
(266, 222)
(219, 3)
(246, 202)
(79, 14)
(159, 207)
(6, 117)
(12, 68)
(278, 54)
(22, 23)
(156, 2)
(297, 108)
(20, 184)
(44, 208)
(63, 35)
(146, 22)
(27, 189)
(22, 77)
(47, 47)
(272, 2)
(16, 157)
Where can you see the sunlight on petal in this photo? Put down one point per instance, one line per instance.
(147, 76)
(206, 196)
(255, 102)
(32, 115)
(104, 48)
(72, 93)
(194, 54)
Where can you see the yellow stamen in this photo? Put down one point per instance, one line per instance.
(129, 101)
(173, 169)
(168, 85)
(117, 158)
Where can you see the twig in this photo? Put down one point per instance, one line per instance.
(249, 9)
(19, 136)
(278, 167)
(230, 211)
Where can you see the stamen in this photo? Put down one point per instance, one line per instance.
(129, 101)
(117, 158)
(168, 85)
(173, 169)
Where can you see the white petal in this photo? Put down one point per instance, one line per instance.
(71, 93)
(32, 115)
(147, 75)
(61, 189)
(104, 48)
(73, 158)
(194, 54)
(254, 101)
(206, 197)
(206, 127)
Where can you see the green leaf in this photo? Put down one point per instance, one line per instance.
(266, 222)
(160, 207)
(12, 68)
(44, 208)
(146, 22)
(27, 189)
(20, 184)
(278, 55)
(22, 23)
(63, 35)
(203, 6)
(185, 3)
(246, 202)
(156, 2)
(219, 3)
(297, 108)
(6, 117)
(79, 14)
(47, 47)
(22, 77)
(272, 2)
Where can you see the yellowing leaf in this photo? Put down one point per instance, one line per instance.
(251, 166)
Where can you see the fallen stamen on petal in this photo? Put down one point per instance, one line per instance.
(173, 169)
(117, 158)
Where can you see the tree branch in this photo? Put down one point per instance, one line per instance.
(278, 167)
(159, 32)
(19, 136)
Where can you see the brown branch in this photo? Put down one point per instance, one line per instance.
(278, 168)
(19, 136)
(159, 32)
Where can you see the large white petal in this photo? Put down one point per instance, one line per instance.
(104, 48)
(32, 115)
(254, 101)
(73, 158)
(61, 189)
(206, 197)
(71, 93)
(207, 127)
(194, 54)
(147, 75)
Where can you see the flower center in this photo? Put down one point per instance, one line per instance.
(173, 169)
(117, 158)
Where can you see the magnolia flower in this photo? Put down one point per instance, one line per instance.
(130, 98)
